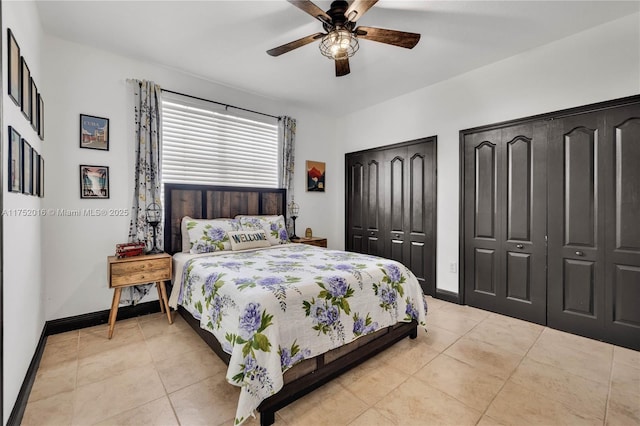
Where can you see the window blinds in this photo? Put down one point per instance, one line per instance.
(202, 143)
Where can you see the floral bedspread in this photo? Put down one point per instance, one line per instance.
(272, 308)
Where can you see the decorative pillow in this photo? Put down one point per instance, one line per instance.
(209, 235)
(186, 245)
(273, 226)
(242, 240)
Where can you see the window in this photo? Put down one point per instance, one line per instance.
(203, 143)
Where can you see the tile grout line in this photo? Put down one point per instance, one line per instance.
(606, 405)
(484, 413)
(155, 368)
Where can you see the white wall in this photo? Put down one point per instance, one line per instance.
(22, 277)
(596, 65)
(85, 80)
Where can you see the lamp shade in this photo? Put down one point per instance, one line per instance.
(294, 209)
(154, 213)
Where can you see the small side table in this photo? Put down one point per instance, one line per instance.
(137, 270)
(312, 241)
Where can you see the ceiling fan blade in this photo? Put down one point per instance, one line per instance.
(311, 9)
(342, 67)
(277, 51)
(393, 37)
(358, 8)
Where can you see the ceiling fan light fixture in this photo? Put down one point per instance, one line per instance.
(339, 43)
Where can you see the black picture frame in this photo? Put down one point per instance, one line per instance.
(15, 161)
(94, 132)
(40, 117)
(94, 182)
(27, 184)
(35, 165)
(14, 84)
(34, 105)
(25, 91)
(41, 176)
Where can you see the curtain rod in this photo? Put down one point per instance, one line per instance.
(220, 103)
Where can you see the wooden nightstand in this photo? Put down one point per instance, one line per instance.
(136, 270)
(313, 241)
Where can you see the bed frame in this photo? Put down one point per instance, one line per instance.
(210, 202)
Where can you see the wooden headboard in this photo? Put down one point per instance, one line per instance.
(211, 202)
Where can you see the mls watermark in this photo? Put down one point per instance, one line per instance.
(65, 212)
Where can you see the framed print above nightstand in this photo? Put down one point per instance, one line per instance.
(94, 132)
(40, 117)
(94, 182)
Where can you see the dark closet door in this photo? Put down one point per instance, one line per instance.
(410, 208)
(505, 220)
(577, 195)
(622, 195)
(421, 198)
(356, 203)
(364, 204)
(396, 212)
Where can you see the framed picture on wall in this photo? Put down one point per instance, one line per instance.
(315, 176)
(15, 161)
(94, 132)
(25, 90)
(94, 182)
(40, 117)
(27, 184)
(41, 177)
(34, 105)
(35, 161)
(13, 68)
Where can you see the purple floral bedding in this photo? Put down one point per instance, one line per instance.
(274, 307)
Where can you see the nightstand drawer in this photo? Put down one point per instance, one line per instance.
(142, 271)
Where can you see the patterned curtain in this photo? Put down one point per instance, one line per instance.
(287, 136)
(147, 101)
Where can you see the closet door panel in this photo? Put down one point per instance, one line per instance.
(505, 220)
(397, 207)
(576, 224)
(355, 204)
(422, 209)
(373, 207)
(483, 247)
(622, 291)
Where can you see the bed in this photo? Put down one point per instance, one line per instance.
(285, 318)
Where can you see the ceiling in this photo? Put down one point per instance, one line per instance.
(226, 41)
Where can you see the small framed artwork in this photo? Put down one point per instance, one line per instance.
(94, 132)
(315, 176)
(40, 117)
(15, 161)
(14, 68)
(94, 182)
(27, 184)
(34, 105)
(25, 90)
(41, 177)
(35, 165)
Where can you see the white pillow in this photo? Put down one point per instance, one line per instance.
(242, 240)
(209, 235)
(273, 226)
(186, 245)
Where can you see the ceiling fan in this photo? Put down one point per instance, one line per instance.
(340, 41)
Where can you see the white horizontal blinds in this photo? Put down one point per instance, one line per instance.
(203, 143)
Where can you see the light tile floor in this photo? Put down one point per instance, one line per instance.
(471, 367)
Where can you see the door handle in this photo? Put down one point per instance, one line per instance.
(519, 246)
(579, 253)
